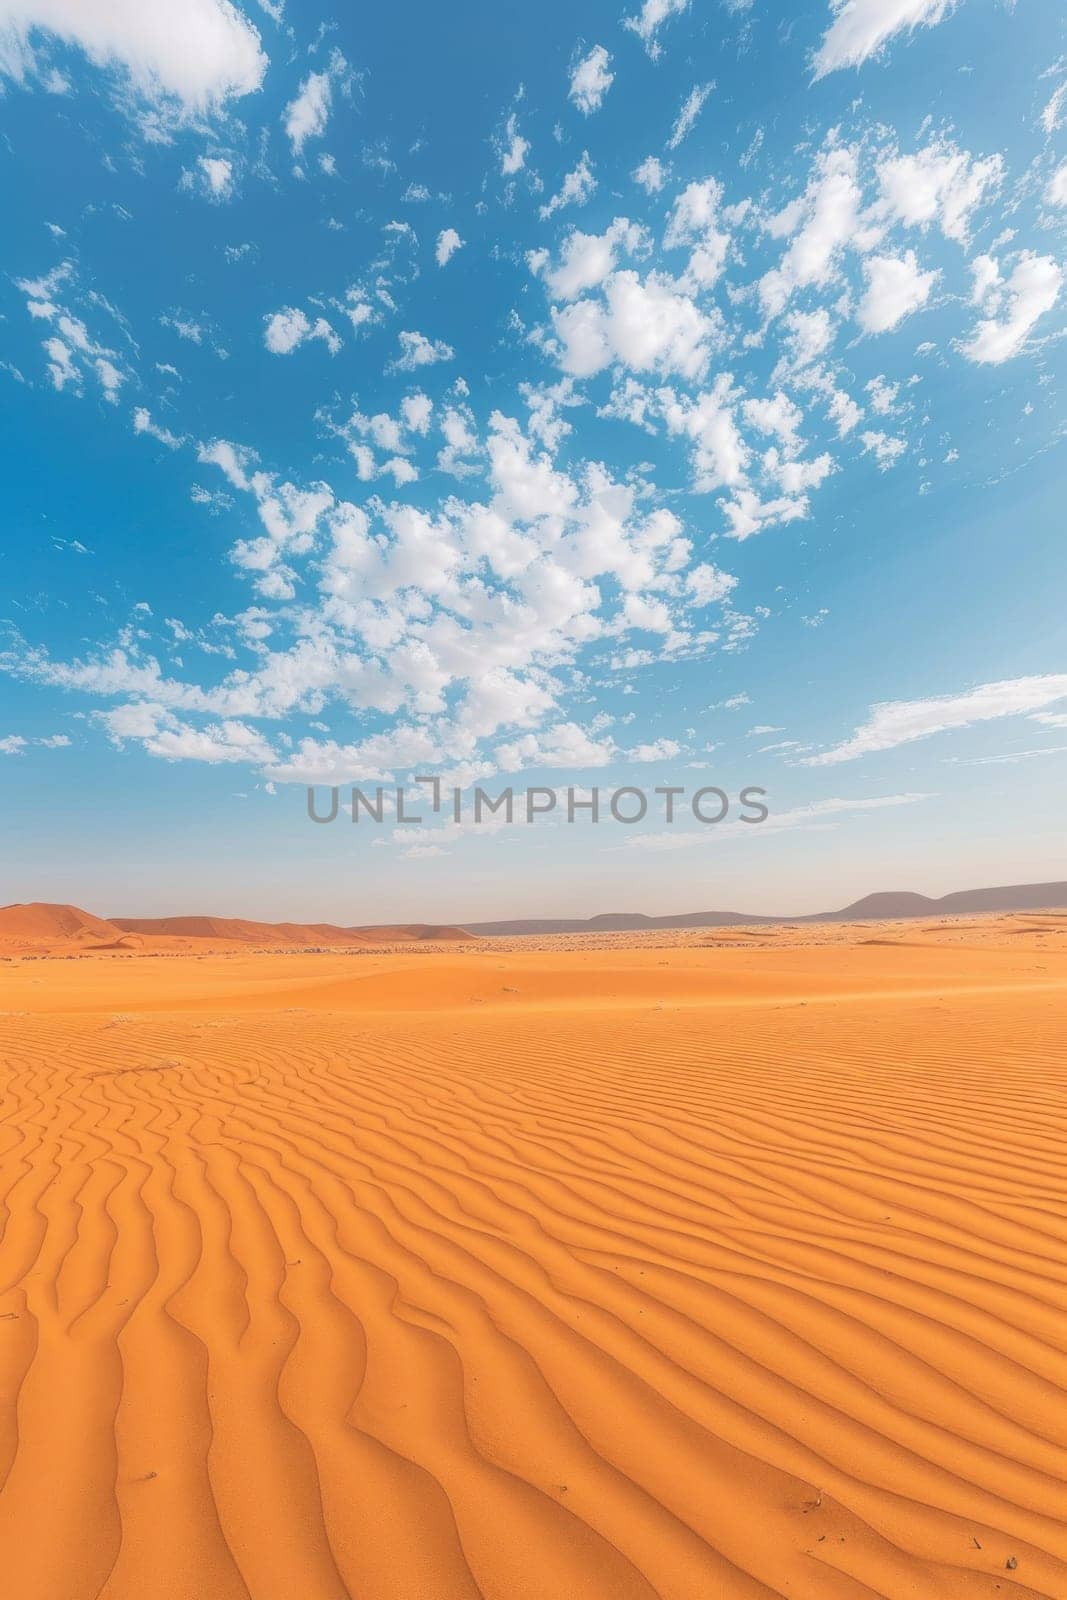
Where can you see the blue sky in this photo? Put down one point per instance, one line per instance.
(562, 396)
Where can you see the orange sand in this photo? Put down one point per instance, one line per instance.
(692, 1267)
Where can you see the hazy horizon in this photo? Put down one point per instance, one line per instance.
(684, 410)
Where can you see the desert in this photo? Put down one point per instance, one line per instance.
(715, 1262)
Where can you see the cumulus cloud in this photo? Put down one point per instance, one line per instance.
(1014, 305)
(885, 449)
(591, 80)
(418, 351)
(448, 242)
(576, 189)
(284, 331)
(307, 115)
(212, 176)
(896, 722)
(820, 225)
(940, 183)
(652, 174)
(696, 219)
(644, 324)
(586, 259)
(188, 55)
(650, 19)
(862, 28)
(896, 286)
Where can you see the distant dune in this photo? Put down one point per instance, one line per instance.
(41, 927)
(39, 921)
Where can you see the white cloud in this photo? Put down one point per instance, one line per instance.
(71, 350)
(229, 741)
(1053, 113)
(418, 351)
(649, 20)
(652, 174)
(576, 189)
(692, 106)
(883, 395)
(694, 219)
(306, 117)
(807, 335)
(861, 28)
(13, 744)
(591, 80)
(897, 722)
(213, 176)
(1015, 305)
(563, 745)
(142, 423)
(448, 242)
(192, 54)
(707, 584)
(586, 259)
(657, 750)
(1056, 192)
(644, 324)
(285, 330)
(820, 225)
(886, 450)
(896, 286)
(513, 148)
(218, 173)
(816, 814)
(939, 183)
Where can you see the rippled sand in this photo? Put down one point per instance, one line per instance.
(704, 1268)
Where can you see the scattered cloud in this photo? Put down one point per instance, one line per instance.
(590, 80)
(862, 28)
(896, 286)
(307, 115)
(577, 187)
(448, 242)
(897, 722)
(692, 106)
(1014, 305)
(284, 331)
(652, 174)
(184, 58)
(512, 148)
(650, 19)
(416, 350)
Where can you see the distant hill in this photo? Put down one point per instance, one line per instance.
(888, 906)
(42, 925)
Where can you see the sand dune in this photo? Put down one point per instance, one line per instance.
(58, 929)
(605, 1273)
(47, 924)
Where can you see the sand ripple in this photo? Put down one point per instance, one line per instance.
(704, 1305)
